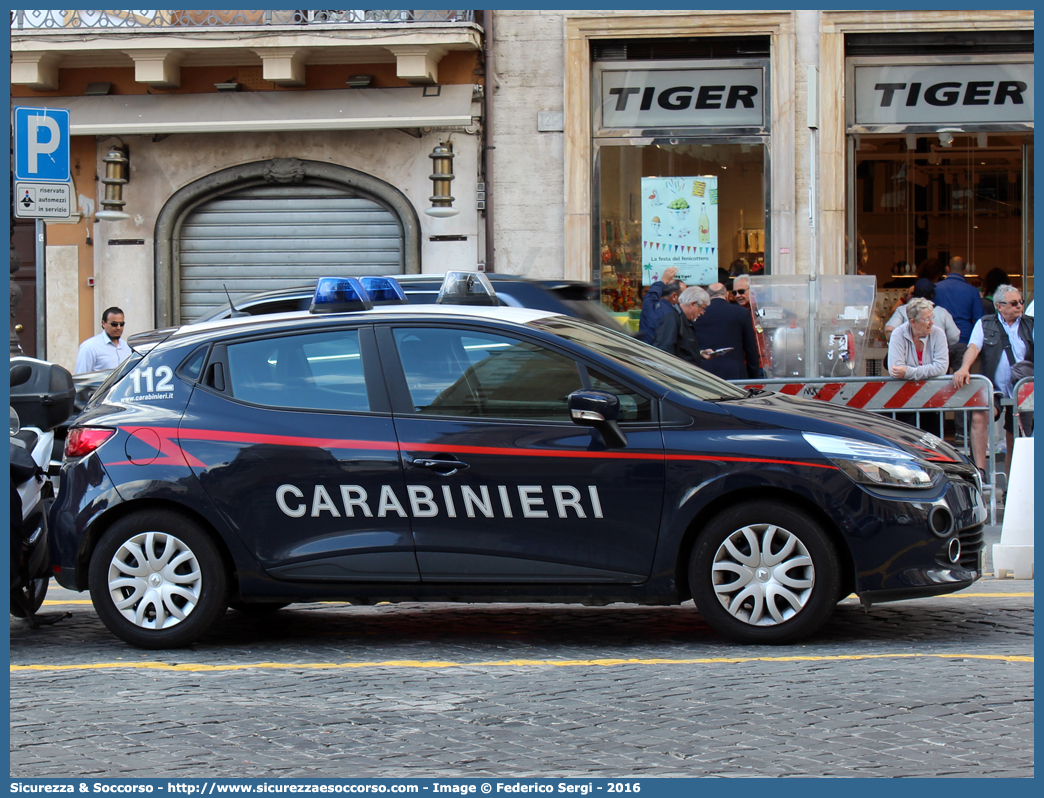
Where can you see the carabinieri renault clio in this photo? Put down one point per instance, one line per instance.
(369, 450)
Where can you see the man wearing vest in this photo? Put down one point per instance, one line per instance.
(1003, 339)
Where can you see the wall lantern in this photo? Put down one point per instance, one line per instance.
(441, 199)
(116, 175)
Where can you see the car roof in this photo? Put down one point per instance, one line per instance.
(512, 316)
(408, 280)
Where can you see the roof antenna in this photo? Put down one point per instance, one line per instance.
(235, 313)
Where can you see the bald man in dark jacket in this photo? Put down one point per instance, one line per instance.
(724, 325)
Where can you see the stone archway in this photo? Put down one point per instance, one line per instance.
(273, 171)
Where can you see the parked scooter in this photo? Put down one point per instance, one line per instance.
(31, 491)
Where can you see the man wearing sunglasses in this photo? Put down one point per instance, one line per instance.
(106, 350)
(741, 291)
(1003, 340)
(740, 295)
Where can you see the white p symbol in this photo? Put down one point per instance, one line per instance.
(37, 147)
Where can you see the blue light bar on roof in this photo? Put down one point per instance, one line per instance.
(339, 295)
(384, 290)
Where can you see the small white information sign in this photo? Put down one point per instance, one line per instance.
(43, 200)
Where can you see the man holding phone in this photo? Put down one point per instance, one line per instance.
(675, 334)
(728, 328)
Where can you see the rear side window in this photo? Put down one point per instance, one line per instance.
(322, 371)
(278, 306)
(477, 374)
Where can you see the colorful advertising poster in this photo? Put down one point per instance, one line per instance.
(680, 228)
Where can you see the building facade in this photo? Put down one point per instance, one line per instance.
(262, 150)
(599, 146)
(817, 167)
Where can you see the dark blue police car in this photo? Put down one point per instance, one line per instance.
(368, 453)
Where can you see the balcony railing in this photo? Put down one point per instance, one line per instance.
(136, 20)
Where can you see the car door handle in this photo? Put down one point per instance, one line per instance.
(446, 467)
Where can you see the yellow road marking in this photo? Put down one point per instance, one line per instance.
(964, 595)
(70, 601)
(561, 663)
(58, 602)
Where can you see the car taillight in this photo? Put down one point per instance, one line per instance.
(84, 440)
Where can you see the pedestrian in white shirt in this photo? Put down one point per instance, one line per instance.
(106, 350)
(1003, 340)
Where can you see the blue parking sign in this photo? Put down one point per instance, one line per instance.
(41, 137)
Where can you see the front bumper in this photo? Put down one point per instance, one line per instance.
(898, 555)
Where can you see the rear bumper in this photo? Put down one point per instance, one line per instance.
(84, 494)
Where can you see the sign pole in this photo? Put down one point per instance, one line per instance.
(43, 188)
(41, 290)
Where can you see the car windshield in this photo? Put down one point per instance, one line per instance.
(652, 363)
(592, 311)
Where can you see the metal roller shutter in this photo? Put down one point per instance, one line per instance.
(269, 237)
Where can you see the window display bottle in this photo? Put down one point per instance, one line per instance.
(704, 224)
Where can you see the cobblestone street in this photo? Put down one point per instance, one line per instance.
(935, 687)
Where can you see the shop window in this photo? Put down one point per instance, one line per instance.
(698, 204)
(935, 196)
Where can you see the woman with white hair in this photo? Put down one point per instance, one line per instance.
(917, 349)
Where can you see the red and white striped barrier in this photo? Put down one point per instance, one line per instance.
(1024, 406)
(1024, 396)
(882, 394)
(888, 395)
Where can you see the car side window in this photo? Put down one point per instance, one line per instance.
(469, 373)
(321, 371)
(633, 406)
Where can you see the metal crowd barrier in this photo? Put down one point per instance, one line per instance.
(1022, 398)
(923, 398)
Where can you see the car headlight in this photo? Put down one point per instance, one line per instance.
(874, 464)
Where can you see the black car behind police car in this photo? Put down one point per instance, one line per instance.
(451, 453)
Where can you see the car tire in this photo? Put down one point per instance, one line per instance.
(166, 599)
(257, 608)
(32, 594)
(764, 572)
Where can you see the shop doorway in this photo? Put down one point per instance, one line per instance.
(264, 238)
(277, 223)
(24, 242)
(634, 230)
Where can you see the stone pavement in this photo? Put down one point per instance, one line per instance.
(932, 687)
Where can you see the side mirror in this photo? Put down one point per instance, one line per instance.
(598, 409)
